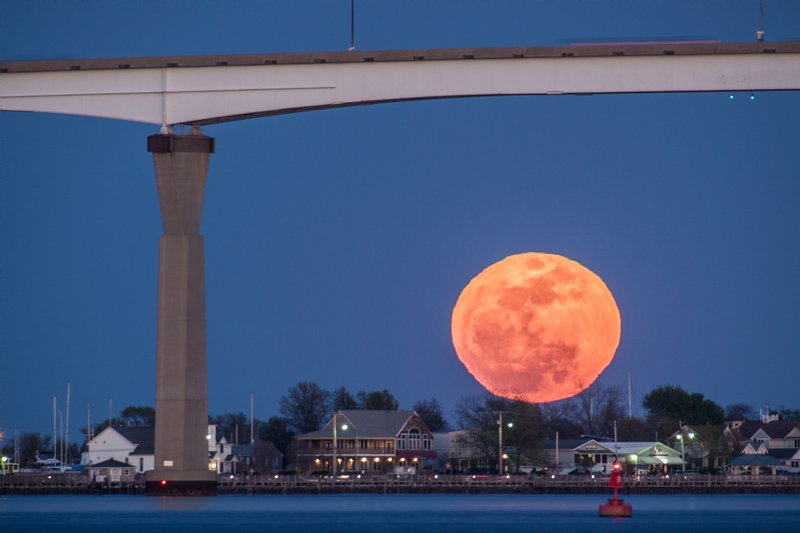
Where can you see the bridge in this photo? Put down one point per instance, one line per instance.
(203, 90)
(208, 89)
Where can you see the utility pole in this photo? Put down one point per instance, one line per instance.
(333, 462)
(55, 440)
(500, 444)
(630, 396)
(500, 454)
(680, 438)
(556, 452)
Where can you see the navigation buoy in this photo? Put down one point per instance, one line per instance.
(616, 507)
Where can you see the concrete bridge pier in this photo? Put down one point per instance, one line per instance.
(181, 447)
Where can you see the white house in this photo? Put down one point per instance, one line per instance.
(779, 439)
(129, 445)
(134, 446)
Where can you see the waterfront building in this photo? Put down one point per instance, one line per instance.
(111, 471)
(458, 452)
(779, 439)
(597, 456)
(133, 446)
(368, 441)
(128, 445)
(705, 447)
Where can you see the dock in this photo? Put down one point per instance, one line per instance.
(71, 483)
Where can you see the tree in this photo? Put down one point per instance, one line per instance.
(379, 400)
(132, 415)
(560, 417)
(341, 399)
(635, 430)
(598, 407)
(276, 430)
(235, 427)
(431, 413)
(142, 415)
(29, 445)
(740, 411)
(675, 404)
(305, 406)
(789, 414)
(480, 416)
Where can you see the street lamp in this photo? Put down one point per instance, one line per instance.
(335, 443)
(680, 438)
(500, 454)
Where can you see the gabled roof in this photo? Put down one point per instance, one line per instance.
(142, 436)
(637, 448)
(755, 460)
(749, 449)
(364, 423)
(566, 444)
(111, 463)
(777, 429)
(784, 453)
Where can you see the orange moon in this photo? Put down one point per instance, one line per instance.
(536, 326)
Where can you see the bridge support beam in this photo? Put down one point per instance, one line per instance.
(181, 447)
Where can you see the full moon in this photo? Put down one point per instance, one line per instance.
(536, 326)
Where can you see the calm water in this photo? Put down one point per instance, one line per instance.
(395, 513)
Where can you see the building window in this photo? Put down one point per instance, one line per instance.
(141, 464)
(401, 442)
(426, 443)
(413, 439)
(797, 443)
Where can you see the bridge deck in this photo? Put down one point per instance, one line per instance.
(440, 54)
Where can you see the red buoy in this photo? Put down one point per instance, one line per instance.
(616, 507)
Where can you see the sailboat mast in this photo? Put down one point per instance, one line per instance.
(61, 435)
(630, 396)
(251, 419)
(66, 425)
(55, 440)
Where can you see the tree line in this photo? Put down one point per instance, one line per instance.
(594, 413)
(306, 407)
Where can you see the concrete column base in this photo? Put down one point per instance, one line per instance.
(155, 485)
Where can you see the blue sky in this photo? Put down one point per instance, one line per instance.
(338, 241)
